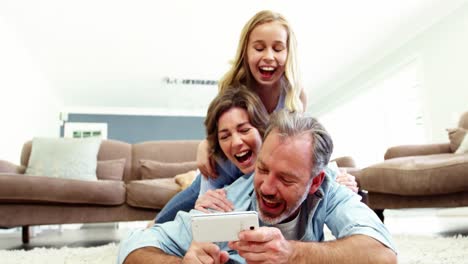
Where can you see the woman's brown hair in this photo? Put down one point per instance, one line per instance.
(240, 97)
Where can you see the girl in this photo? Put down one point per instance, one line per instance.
(265, 63)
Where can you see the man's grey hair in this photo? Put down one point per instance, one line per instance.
(290, 124)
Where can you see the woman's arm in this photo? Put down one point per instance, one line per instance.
(214, 199)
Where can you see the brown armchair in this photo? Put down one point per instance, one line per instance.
(417, 176)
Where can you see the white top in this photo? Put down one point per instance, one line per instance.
(290, 229)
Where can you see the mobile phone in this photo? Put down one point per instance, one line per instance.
(221, 227)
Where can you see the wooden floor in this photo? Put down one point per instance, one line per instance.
(442, 222)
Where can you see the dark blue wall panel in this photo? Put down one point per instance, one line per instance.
(133, 129)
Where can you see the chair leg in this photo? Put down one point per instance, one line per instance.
(380, 214)
(364, 196)
(25, 234)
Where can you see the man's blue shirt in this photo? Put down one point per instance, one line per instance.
(333, 205)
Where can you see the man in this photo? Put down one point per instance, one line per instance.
(294, 197)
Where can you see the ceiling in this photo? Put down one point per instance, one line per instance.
(103, 54)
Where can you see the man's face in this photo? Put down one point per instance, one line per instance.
(282, 176)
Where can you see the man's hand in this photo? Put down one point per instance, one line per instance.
(214, 199)
(347, 180)
(205, 162)
(202, 252)
(264, 245)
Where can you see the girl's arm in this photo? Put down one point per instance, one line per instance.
(205, 162)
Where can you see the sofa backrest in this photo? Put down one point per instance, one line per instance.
(109, 150)
(171, 151)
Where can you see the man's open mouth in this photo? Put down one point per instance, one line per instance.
(271, 204)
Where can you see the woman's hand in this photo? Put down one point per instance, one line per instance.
(205, 162)
(347, 180)
(214, 199)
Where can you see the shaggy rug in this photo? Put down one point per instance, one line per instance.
(412, 250)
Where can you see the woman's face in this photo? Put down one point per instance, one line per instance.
(267, 52)
(238, 139)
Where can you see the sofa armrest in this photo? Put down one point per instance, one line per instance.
(345, 161)
(416, 150)
(8, 167)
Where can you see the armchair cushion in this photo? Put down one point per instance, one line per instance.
(417, 175)
(345, 162)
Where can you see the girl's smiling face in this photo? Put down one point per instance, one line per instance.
(267, 53)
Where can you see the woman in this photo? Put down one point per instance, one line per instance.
(235, 123)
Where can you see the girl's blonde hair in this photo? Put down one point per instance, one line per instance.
(239, 74)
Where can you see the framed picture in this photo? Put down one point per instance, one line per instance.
(85, 130)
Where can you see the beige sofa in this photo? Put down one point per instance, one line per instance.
(418, 176)
(39, 200)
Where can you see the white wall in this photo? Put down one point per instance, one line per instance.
(445, 53)
(442, 49)
(28, 107)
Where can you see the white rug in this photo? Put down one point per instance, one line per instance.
(412, 250)
(431, 250)
(102, 255)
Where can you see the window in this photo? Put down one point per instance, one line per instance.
(387, 113)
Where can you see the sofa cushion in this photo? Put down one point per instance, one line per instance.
(151, 169)
(417, 175)
(38, 189)
(456, 136)
(152, 194)
(463, 148)
(110, 169)
(64, 158)
(463, 123)
(184, 180)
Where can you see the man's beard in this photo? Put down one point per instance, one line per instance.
(287, 212)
